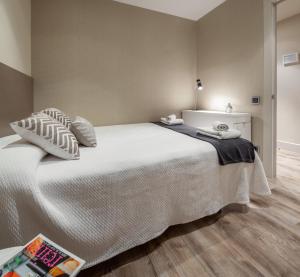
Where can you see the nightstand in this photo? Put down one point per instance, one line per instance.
(202, 118)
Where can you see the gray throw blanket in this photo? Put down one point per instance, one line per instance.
(229, 151)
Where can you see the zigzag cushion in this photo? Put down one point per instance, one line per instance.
(58, 115)
(49, 134)
(84, 131)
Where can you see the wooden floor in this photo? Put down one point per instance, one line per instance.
(265, 241)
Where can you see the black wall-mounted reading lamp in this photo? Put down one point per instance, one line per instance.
(199, 88)
(199, 85)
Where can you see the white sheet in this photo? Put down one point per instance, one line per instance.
(140, 180)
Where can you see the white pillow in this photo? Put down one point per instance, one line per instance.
(4, 141)
(84, 131)
(49, 134)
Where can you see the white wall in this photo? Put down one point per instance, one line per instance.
(15, 34)
(288, 85)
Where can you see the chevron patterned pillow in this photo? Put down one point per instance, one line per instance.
(84, 131)
(49, 134)
(58, 115)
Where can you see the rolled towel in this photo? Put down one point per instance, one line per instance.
(230, 134)
(171, 117)
(177, 121)
(220, 126)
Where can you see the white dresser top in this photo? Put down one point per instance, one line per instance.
(219, 113)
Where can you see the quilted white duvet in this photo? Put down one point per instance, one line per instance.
(140, 180)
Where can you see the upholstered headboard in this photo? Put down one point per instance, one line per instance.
(16, 97)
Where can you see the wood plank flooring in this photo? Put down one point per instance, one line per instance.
(265, 241)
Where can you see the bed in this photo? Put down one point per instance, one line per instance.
(140, 180)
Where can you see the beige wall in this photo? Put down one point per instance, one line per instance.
(231, 59)
(110, 62)
(16, 91)
(288, 111)
(16, 86)
(114, 63)
(15, 34)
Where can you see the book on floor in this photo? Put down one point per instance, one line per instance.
(42, 257)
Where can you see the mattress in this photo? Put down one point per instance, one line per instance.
(138, 181)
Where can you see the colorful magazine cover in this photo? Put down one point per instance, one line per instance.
(42, 258)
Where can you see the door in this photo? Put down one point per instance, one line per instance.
(270, 89)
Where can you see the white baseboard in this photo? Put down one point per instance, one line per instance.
(290, 146)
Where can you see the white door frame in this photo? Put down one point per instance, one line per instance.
(270, 88)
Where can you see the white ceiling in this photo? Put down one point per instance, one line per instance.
(190, 9)
(287, 9)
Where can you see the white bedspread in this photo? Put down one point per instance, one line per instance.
(139, 180)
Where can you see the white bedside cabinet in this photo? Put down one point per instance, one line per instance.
(201, 118)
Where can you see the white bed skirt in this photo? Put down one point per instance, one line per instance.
(140, 180)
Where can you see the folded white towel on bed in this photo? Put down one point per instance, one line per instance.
(177, 121)
(220, 126)
(171, 117)
(230, 134)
